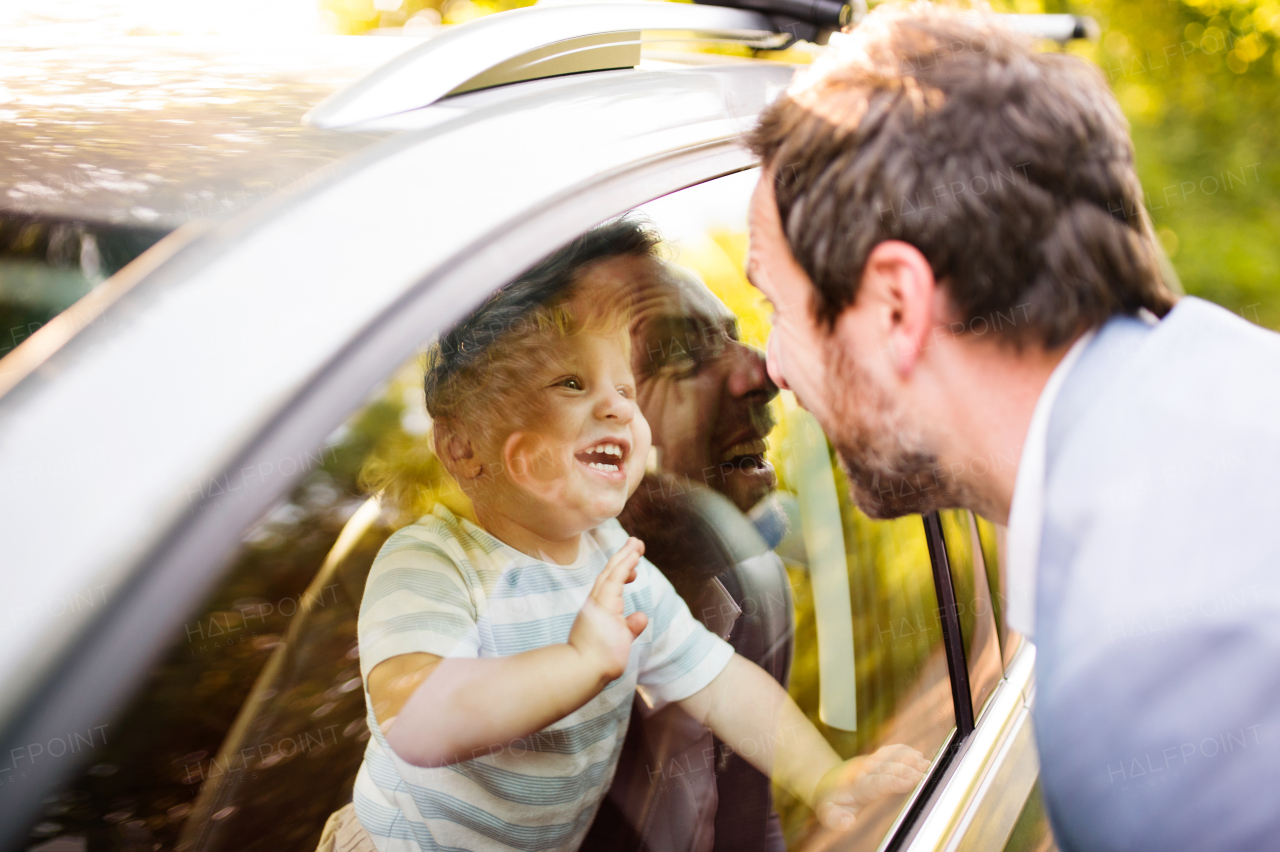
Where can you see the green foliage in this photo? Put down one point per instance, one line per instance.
(352, 17)
(1197, 80)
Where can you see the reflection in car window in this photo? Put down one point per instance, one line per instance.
(901, 692)
(46, 265)
(257, 708)
(431, 531)
(992, 538)
(973, 604)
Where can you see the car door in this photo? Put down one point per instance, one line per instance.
(267, 329)
(213, 686)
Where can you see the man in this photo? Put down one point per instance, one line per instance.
(968, 298)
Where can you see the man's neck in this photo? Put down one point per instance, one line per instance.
(520, 535)
(988, 395)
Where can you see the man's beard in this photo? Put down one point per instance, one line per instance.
(891, 472)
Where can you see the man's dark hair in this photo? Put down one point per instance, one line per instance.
(465, 349)
(1010, 170)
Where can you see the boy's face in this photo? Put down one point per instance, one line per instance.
(584, 449)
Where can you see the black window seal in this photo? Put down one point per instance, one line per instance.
(949, 614)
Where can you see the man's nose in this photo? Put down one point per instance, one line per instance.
(748, 374)
(773, 362)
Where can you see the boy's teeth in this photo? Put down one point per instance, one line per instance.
(600, 466)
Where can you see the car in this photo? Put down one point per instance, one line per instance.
(219, 268)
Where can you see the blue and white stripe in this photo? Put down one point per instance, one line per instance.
(444, 586)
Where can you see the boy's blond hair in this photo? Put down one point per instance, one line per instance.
(476, 376)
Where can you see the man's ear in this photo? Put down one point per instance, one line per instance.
(456, 451)
(900, 288)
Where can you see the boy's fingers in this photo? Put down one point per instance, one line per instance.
(835, 817)
(902, 754)
(603, 576)
(619, 570)
(637, 622)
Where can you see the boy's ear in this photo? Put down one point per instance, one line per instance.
(526, 458)
(456, 451)
(517, 457)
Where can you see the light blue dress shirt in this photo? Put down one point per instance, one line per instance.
(1158, 602)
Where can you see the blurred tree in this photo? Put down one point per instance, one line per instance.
(1197, 80)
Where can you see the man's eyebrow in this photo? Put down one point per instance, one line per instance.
(671, 325)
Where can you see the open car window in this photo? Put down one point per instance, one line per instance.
(253, 729)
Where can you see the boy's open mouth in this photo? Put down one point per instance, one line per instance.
(607, 456)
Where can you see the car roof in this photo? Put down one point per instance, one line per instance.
(156, 131)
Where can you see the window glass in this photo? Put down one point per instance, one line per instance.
(395, 632)
(862, 589)
(258, 699)
(973, 604)
(992, 537)
(46, 265)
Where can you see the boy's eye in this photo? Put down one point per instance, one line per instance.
(570, 382)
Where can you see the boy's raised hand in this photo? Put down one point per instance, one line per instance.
(600, 632)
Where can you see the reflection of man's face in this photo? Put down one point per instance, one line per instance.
(704, 393)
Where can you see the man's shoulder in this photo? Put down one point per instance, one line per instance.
(1157, 490)
(1200, 377)
(1226, 334)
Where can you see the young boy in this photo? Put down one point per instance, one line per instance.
(500, 659)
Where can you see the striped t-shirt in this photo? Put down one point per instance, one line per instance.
(444, 586)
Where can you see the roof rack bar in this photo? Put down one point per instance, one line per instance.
(524, 42)
(1059, 28)
(552, 40)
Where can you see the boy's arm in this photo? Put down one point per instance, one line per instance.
(464, 707)
(394, 680)
(749, 711)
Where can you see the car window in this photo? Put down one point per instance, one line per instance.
(992, 538)
(276, 636)
(862, 590)
(974, 604)
(419, 538)
(46, 265)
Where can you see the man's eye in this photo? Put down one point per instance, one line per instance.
(680, 366)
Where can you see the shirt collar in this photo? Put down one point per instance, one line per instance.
(1026, 510)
